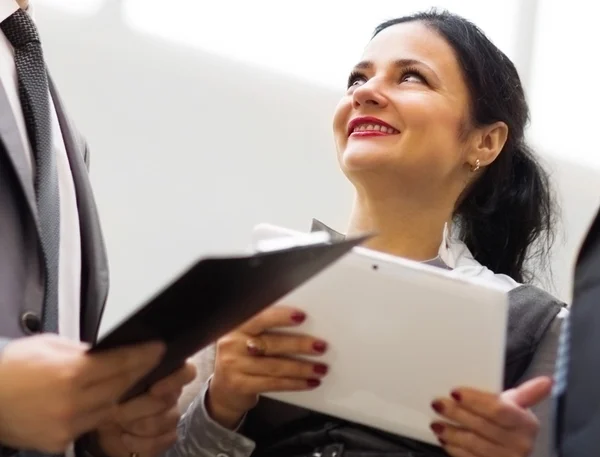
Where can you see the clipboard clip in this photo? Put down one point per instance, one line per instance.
(288, 242)
(304, 239)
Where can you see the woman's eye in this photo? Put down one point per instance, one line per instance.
(412, 77)
(355, 80)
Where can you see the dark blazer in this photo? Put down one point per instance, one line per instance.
(578, 408)
(21, 272)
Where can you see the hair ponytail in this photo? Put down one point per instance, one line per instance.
(507, 217)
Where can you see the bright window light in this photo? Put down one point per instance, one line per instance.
(82, 7)
(314, 40)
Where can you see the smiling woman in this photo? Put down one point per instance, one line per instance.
(430, 133)
(459, 140)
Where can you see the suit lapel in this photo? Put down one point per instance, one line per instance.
(592, 236)
(94, 264)
(9, 135)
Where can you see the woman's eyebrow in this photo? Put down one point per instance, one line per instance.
(367, 64)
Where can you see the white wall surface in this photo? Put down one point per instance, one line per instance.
(564, 100)
(192, 148)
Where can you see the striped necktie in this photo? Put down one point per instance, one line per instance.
(560, 378)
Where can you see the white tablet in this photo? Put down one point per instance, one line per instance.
(400, 333)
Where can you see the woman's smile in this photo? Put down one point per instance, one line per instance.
(368, 126)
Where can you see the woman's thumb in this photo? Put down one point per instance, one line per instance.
(530, 393)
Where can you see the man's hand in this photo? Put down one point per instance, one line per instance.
(52, 391)
(147, 425)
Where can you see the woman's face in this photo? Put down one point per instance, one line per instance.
(404, 110)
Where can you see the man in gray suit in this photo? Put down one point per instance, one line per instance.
(55, 398)
(577, 385)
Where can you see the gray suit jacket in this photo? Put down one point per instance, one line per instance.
(21, 272)
(578, 407)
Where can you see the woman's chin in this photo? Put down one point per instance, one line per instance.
(357, 159)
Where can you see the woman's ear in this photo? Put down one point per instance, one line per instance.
(487, 144)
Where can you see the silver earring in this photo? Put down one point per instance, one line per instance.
(476, 167)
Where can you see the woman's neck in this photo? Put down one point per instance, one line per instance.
(24, 4)
(406, 229)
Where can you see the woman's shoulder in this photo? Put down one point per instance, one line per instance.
(529, 296)
(533, 313)
(534, 316)
(534, 310)
(534, 323)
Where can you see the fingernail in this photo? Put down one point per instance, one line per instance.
(320, 346)
(442, 441)
(320, 368)
(437, 428)
(298, 317)
(313, 383)
(456, 395)
(438, 407)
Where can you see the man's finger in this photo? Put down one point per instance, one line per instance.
(128, 362)
(530, 393)
(87, 422)
(139, 408)
(176, 381)
(155, 425)
(109, 391)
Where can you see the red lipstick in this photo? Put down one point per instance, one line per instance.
(385, 129)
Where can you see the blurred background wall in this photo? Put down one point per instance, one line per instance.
(206, 118)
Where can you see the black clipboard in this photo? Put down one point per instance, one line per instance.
(214, 296)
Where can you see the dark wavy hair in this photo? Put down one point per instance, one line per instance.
(507, 217)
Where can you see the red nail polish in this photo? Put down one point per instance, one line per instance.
(319, 368)
(437, 428)
(456, 395)
(438, 407)
(442, 441)
(313, 383)
(298, 317)
(320, 346)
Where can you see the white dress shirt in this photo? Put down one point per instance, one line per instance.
(69, 274)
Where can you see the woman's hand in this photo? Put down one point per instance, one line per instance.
(489, 425)
(254, 359)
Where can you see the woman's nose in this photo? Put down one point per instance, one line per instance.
(369, 94)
